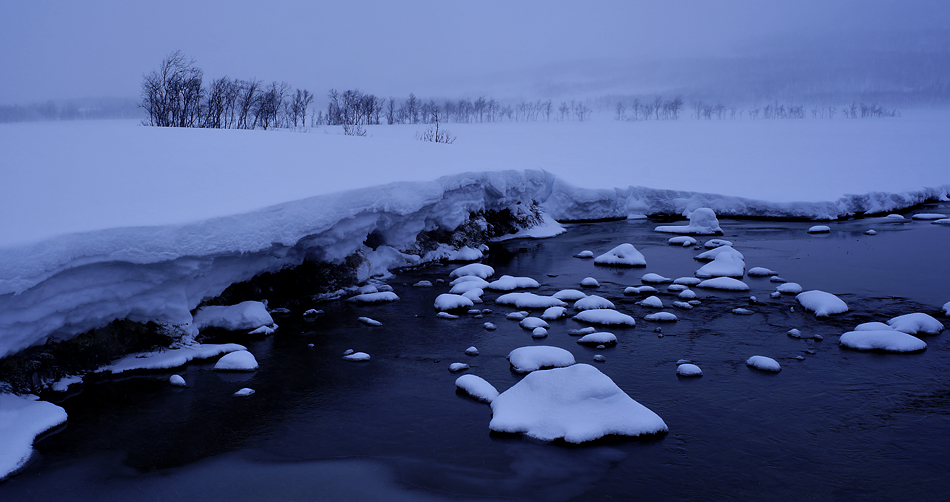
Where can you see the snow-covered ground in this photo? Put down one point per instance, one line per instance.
(107, 220)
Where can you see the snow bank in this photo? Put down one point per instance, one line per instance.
(578, 403)
(624, 255)
(701, 222)
(477, 387)
(21, 420)
(169, 358)
(821, 303)
(243, 316)
(535, 357)
(889, 340)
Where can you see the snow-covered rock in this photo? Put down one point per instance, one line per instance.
(593, 302)
(476, 387)
(764, 363)
(168, 358)
(711, 254)
(446, 315)
(474, 294)
(687, 281)
(240, 360)
(589, 282)
(356, 357)
(676, 288)
(819, 229)
(872, 326)
(894, 216)
(469, 284)
(535, 357)
(761, 272)
(585, 254)
(479, 270)
(471, 351)
(577, 403)
(687, 294)
(554, 313)
(448, 301)
(245, 392)
(422, 284)
(533, 322)
(742, 311)
(653, 278)
(582, 331)
(636, 290)
(725, 264)
(870, 231)
(661, 317)
(789, 288)
(176, 380)
(490, 326)
(653, 302)
(243, 316)
(943, 222)
(383, 297)
(929, 216)
(688, 370)
(456, 367)
(539, 332)
(682, 305)
(598, 338)
(369, 321)
(946, 309)
(624, 255)
(821, 303)
(715, 243)
(888, 340)
(702, 221)
(605, 316)
(517, 316)
(508, 283)
(22, 419)
(569, 295)
(916, 323)
(465, 253)
(723, 283)
(682, 240)
(529, 301)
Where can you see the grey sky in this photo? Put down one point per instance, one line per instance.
(94, 48)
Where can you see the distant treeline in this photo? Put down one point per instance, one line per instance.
(659, 108)
(84, 109)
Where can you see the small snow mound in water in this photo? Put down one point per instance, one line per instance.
(888, 340)
(387, 296)
(264, 330)
(742, 311)
(872, 326)
(634, 290)
(682, 305)
(894, 217)
(946, 309)
(456, 367)
(761, 272)
(369, 321)
(529, 301)
(532, 358)
(915, 323)
(477, 269)
(599, 358)
(593, 302)
(624, 255)
(423, 284)
(554, 313)
(687, 294)
(601, 338)
(312, 312)
(605, 316)
(687, 281)
(243, 316)
(794, 333)
(716, 251)
(682, 240)
(582, 331)
(471, 351)
(715, 243)
(701, 222)
(569, 295)
(517, 316)
(578, 403)
(470, 283)
(661, 317)
(725, 264)
(476, 387)
(489, 326)
(776, 278)
(652, 302)
(689, 370)
(176, 380)
(723, 283)
(357, 356)
(590, 282)
(819, 229)
(539, 332)
(245, 392)
(585, 254)
(508, 283)
(652, 278)
(789, 288)
(240, 360)
(764, 363)
(446, 315)
(821, 303)
(448, 301)
(465, 253)
(870, 231)
(929, 216)
(533, 322)
(944, 221)
(367, 289)
(676, 288)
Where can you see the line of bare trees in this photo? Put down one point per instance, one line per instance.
(661, 109)
(655, 109)
(175, 96)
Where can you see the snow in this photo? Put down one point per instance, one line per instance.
(539, 332)
(569, 295)
(624, 255)
(761, 272)
(387, 296)
(821, 303)
(176, 380)
(724, 283)
(605, 317)
(471, 351)
(456, 367)
(469, 284)
(578, 404)
(465, 253)
(652, 302)
(725, 264)
(524, 300)
(715, 243)
(489, 326)
(517, 316)
(533, 322)
(653, 278)
(687, 294)
(916, 323)
(789, 288)
(508, 283)
(21, 421)
(598, 338)
(946, 309)
(819, 229)
(582, 331)
(714, 252)
(636, 290)
(661, 317)
(448, 301)
(742, 311)
(244, 392)
(682, 305)
(62, 385)
(479, 270)
(423, 284)
(944, 221)
(687, 281)
(589, 282)
(535, 357)
(872, 326)
(549, 227)
(593, 302)
(889, 340)
(928, 216)
(764, 363)
(86, 245)
(240, 360)
(369, 321)
(689, 370)
(243, 316)
(356, 357)
(554, 313)
(676, 288)
(585, 254)
(446, 315)
(168, 358)
(477, 387)
(682, 240)
(701, 222)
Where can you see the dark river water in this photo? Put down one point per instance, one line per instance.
(834, 424)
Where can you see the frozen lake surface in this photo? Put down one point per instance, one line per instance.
(834, 424)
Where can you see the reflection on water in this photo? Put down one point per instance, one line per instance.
(833, 425)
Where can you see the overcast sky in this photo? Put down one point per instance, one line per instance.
(97, 48)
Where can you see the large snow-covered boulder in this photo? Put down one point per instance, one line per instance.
(624, 255)
(885, 340)
(578, 404)
(21, 420)
(243, 316)
(915, 323)
(821, 303)
(606, 317)
(701, 222)
(535, 357)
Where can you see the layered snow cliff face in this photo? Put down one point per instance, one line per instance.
(71, 282)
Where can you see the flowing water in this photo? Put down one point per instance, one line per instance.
(834, 424)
